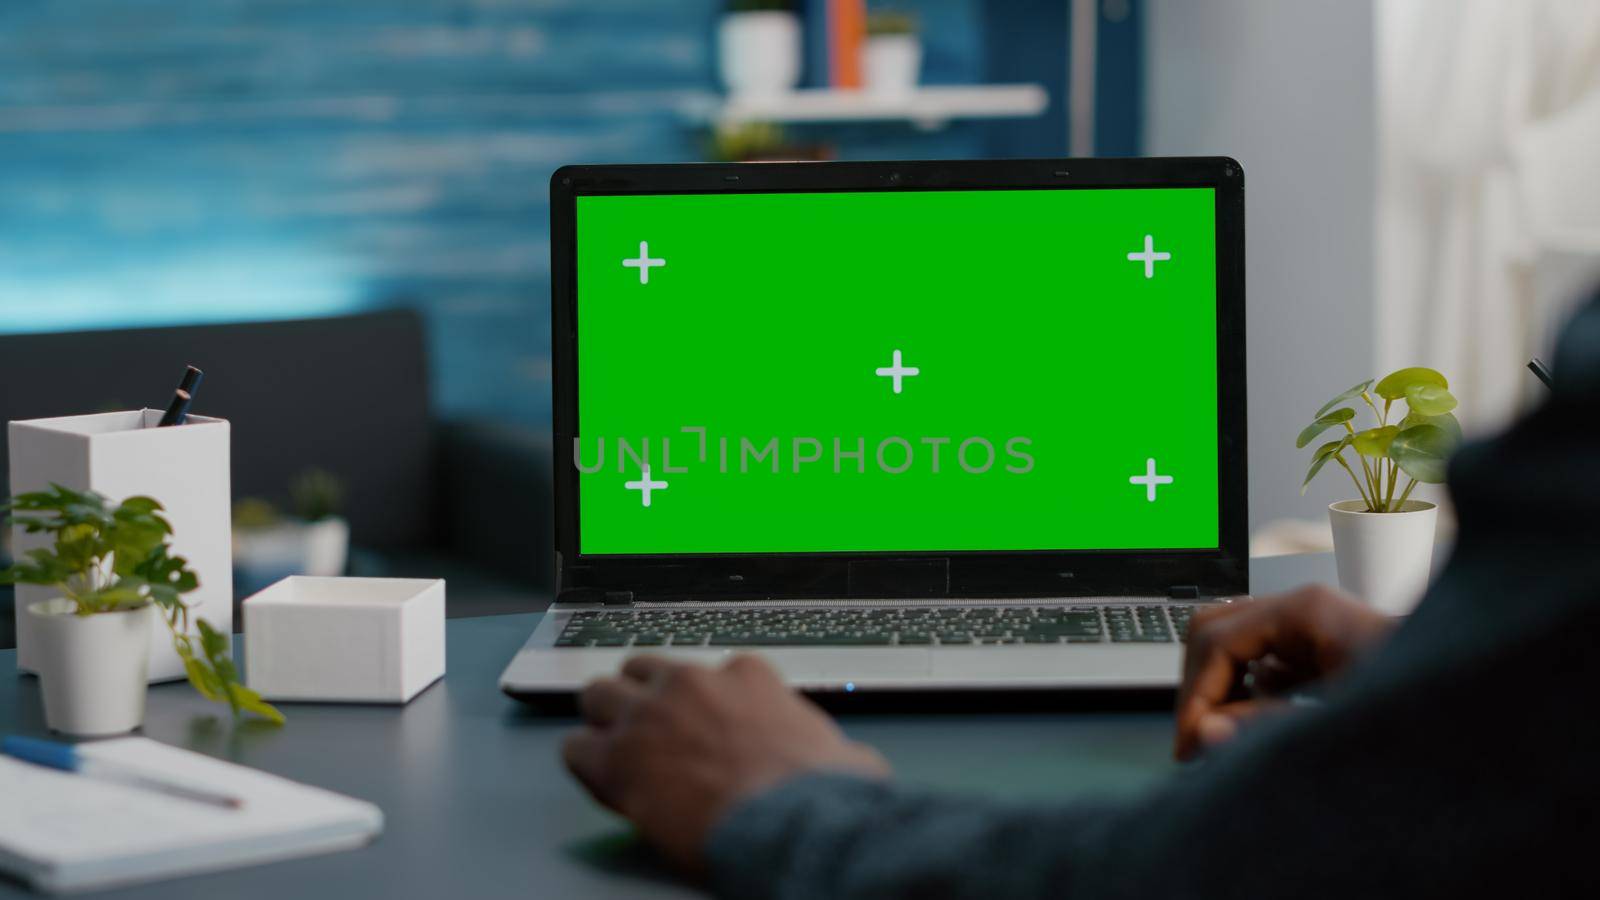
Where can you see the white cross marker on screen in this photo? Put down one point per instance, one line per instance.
(644, 485)
(1149, 257)
(644, 264)
(898, 371)
(1150, 479)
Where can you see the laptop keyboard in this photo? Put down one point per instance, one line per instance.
(878, 627)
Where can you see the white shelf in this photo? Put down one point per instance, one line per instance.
(927, 108)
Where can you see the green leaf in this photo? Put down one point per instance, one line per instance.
(1351, 394)
(1447, 422)
(140, 505)
(1320, 458)
(168, 575)
(205, 682)
(1429, 400)
(221, 678)
(1393, 386)
(225, 668)
(39, 566)
(250, 701)
(212, 642)
(164, 596)
(1323, 423)
(1375, 441)
(1422, 452)
(122, 595)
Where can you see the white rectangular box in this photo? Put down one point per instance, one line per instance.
(355, 640)
(121, 455)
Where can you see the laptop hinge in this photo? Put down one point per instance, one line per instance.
(589, 596)
(1184, 592)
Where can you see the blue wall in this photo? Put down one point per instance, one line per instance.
(206, 160)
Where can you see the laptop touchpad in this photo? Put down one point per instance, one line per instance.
(829, 665)
(812, 665)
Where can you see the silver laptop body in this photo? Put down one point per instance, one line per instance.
(892, 618)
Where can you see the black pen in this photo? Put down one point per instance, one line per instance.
(1537, 366)
(178, 410)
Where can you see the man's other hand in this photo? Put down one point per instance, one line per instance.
(1277, 643)
(674, 746)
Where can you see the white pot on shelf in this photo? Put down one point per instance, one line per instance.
(1384, 559)
(92, 669)
(759, 52)
(892, 64)
(327, 544)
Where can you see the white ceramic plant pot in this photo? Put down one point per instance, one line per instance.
(1384, 558)
(327, 543)
(92, 669)
(759, 52)
(892, 64)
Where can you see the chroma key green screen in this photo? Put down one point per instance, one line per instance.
(1002, 370)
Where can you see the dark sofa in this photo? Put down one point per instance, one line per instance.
(348, 395)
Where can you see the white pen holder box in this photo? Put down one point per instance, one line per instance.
(344, 640)
(122, 455)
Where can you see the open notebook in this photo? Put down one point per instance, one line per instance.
(66, 832)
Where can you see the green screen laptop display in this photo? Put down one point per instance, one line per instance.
(990, 370)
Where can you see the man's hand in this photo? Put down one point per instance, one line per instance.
(675, 746)
(1279, 642)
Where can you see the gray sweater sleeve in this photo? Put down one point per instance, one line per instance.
(1457, 760)
(827, 835)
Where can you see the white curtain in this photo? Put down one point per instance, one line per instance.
(1488, 186)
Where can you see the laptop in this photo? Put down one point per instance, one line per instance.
(895, 426)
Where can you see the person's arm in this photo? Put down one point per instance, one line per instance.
(830, 835)
(1427, 775)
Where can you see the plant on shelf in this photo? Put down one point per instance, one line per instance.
(892, 58)
(1417, 446)
(316, 494)
(115, 558)
(312, 538)
(254, 514)
(760, 141)
(881, 23)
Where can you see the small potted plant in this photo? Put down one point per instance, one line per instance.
(268, 546)
(318, 499)
(112, 567)
(892, 61)
(758, 47)
(1383, 542)
(760, 142)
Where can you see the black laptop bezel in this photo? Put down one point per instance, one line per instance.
(1221, 571)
